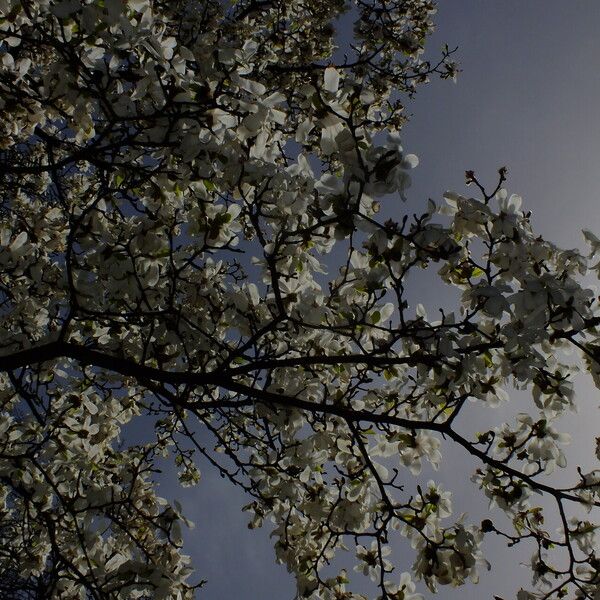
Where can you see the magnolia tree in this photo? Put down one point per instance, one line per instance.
(189, 234)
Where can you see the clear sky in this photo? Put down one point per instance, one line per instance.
(528, 98)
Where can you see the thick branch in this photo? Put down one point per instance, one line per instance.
(141, 372)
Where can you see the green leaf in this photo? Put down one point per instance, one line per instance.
(487, 357)
(390, 373)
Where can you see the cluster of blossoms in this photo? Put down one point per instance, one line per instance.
(75, 509)
(178, 179)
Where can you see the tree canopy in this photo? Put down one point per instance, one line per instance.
(191, 236)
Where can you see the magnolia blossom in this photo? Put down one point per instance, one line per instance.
(192, 248)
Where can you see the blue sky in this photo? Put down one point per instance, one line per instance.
(528, 98)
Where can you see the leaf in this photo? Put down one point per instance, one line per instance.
(390, 373)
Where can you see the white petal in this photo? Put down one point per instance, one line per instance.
(410, 161)
(331, 80)
(19, 241)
